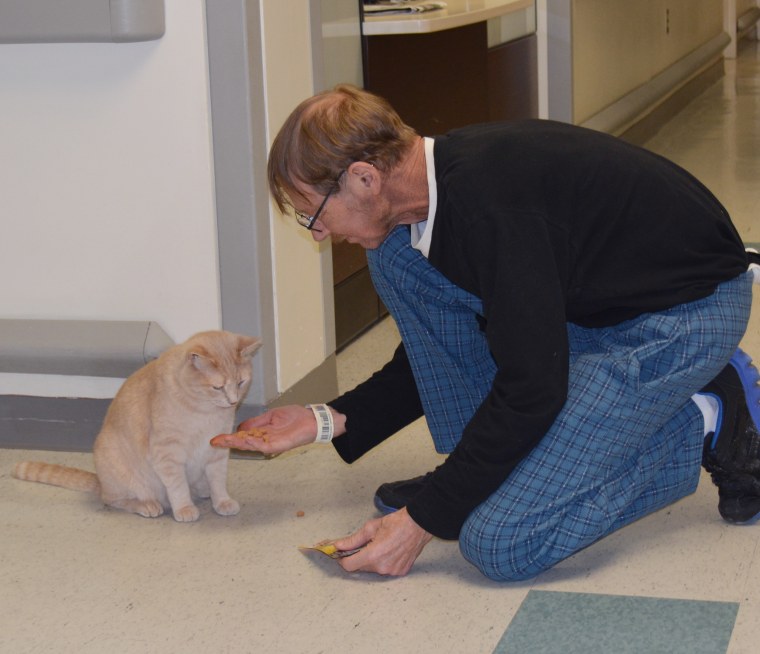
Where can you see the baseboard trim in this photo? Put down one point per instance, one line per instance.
(50, 423)
(67, 424)
(320, 385)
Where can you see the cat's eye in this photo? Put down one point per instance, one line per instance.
(241, 383)
(218, 388)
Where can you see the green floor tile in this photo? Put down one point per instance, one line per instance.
(570, 623)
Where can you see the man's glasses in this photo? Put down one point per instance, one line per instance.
(309, 221)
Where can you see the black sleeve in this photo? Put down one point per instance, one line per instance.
(527, 335)
(377, 408)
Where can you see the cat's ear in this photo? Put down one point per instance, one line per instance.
(248, 346)
(201, 359)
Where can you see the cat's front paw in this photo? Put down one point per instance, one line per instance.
(227, 507)
(188, 513)
(149, 509)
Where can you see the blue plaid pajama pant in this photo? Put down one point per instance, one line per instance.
(627, 442)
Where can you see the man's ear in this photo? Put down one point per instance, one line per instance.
(364, 177)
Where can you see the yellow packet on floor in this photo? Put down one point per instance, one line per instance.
(328, 549)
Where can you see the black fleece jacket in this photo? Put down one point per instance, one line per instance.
(547, 224)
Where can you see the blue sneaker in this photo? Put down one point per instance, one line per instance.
(393, 495)
(732, 453)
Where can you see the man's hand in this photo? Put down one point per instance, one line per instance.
(275, 431)
(392, 542)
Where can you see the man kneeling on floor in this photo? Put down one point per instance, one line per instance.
(570, 308)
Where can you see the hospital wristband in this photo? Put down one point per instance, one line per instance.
(325, 427)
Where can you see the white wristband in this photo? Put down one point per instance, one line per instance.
(325, 428)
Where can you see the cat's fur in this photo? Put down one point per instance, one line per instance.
(153, 453)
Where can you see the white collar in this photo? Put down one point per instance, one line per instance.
(422, 232)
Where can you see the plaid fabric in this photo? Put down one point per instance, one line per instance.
(438, 323)
(627, 442)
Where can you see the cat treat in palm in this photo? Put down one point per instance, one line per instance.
(223, 440)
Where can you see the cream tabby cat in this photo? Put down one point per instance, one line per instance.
(153, 451)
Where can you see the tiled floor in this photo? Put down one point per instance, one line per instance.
(75, 577)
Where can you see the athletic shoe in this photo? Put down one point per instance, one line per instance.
(753, 257)
(732, 453)
(393, 495)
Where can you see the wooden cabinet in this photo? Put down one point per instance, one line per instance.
(436, 81)
(513, 80)
(357, 305)
(441, 80)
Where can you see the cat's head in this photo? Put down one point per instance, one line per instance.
(218, 366)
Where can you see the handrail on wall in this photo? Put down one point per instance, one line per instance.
(81, 21)
(92, 348)
(630, 107)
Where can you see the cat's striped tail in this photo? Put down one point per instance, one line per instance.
(56, 475)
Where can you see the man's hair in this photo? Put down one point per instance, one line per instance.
(328, 132)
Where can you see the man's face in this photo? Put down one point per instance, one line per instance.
(344, 216)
